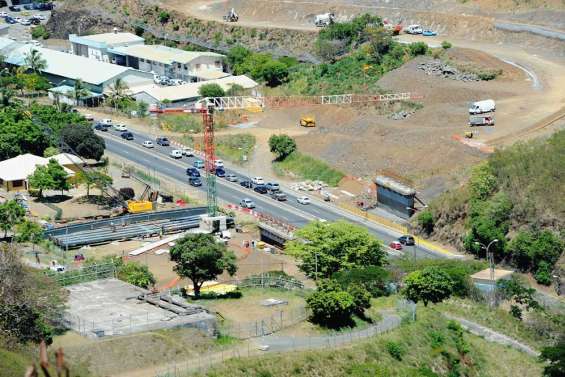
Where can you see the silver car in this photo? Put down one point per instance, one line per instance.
(231, 177)
(247, 203)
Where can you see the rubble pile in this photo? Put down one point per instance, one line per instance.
(439, 68)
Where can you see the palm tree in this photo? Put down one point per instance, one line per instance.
(34, 61)
(118, 91)
(80, 90)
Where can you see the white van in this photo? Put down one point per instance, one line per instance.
(106, 122)
(414, 29)
(480, 107)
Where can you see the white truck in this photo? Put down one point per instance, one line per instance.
(414, 29)
(323, 20)
(481, 120)
(480, 107)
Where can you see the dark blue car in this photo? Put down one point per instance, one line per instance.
(194, 181)
(192, 172)
(220, 173)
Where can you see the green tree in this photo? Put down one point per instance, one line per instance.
(373, 279)
(94, 178)
(519, 294)
(428, 285)
(446, 45)
(543, 273)
(142, 108)
(29, 231)
(418, 48)
(49, 177)
(164, 17)
(331, 247)
(482, 182)
(330, 306)
(211, 90)
(426, 221)
(200, 258)
(361, 298)
(11, 214)
(118, 93)
(35, 61)
(237, 55)
(380, 41)
(274, 73)
(554, 358)
(82, 139)
(282, 146)
(136, 274)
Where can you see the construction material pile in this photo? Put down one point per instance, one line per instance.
(439, 68)
(402, 114)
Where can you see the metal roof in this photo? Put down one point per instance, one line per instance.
(22, 166)
(394, 185)
(162, 54)
(105, 40)
(190, 91)
(71, 66)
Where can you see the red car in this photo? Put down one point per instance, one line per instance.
(395, 245)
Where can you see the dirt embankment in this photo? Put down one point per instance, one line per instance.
(89, 16)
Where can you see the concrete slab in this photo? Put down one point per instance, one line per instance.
(110, 307)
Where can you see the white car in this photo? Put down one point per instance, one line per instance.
(187, 151)
(218, 163)
(247, 203)
(25, 22)
(231, 177)
(304, 200)
(107, 121)
(258, 181)
(148, 144)
(3, 14)
(39, 16)
(89, 117)
(120, 127)
(18, 20)
(176, 153)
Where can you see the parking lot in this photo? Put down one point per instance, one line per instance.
(21, 20)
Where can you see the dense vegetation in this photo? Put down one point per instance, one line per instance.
(356, 54)
(516, 197)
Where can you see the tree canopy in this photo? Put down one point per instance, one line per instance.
(49, 177)
(83, 140)
(11, 214)
(332, 247)
(200, 258)
(282, 145)
(211, 90)
(431, 284)
(330, 305)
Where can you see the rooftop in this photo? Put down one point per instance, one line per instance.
(394, 185)
(68, 65)
(67, 159)
(22, 166)
(106, 39)
(190, 91)
(162, 54)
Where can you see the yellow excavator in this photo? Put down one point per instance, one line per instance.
(308, 121)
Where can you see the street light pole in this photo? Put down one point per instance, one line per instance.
(490, 258)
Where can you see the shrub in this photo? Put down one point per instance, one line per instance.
(361, 298)
(418, 48)
(431, 284)
(40, 31)
(282, 146)
(164, 17)
(426, 221)
(330, 306)
(446, 45)
(136, 274)
(543, 273)
(395, 350)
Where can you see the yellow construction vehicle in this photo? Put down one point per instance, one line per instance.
(308, 121)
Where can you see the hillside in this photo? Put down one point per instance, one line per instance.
(516, 196)
(432, 346)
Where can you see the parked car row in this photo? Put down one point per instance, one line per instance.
(32, 6)
(166, 81)
(33, 20)
(417, 29)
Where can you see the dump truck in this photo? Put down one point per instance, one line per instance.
(323, 20)
(232, 16)
(308, 121)
(481, 120)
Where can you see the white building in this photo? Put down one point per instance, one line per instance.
(187, 93)
(175, 63)
(96, 46)
(14, 172)
(63, 68)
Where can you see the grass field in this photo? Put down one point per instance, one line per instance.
(234, 147)
(307, 167)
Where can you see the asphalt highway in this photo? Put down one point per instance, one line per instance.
(290, 211)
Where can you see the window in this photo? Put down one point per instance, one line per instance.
(198, 66)
(17, 183)
(217, 63)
